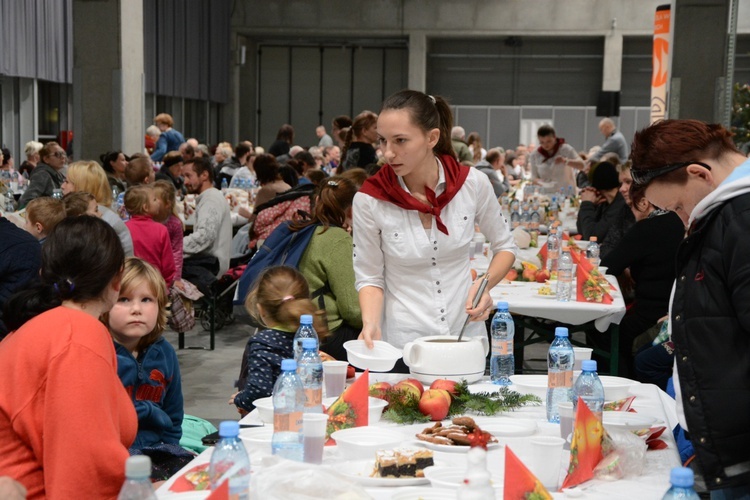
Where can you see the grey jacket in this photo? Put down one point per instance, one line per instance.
(43, 181)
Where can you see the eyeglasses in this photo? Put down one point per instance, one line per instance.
(59, 154)
(641, 177)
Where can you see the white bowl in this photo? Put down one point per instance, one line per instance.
(381, 358)
(265, 409)
(627, 421)
(616, 387)
(603, 270)
(530, 384)
(453, 477)
(374, 405)
(359, 443)
(258, 438)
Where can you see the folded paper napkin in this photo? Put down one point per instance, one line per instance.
(194, 479)
(591, 286)
(620, 405)
(220, 493)
(587, 448)
(351, 408)
(520, 482)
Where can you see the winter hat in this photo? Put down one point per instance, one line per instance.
(605, 177)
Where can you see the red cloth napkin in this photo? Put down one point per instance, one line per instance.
(586, 447)
(520, 482)
(351, 408)
(589, 288)
(194, 479)
(384, 186)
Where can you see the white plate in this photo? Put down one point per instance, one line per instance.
(510, 427)
(360, 470)
(446, 448)
(540, 296)
(453, 477)
(627, 421)
(424, 492)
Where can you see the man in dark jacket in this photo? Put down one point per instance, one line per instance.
(694, 169)
(20, 260)
(492, 165)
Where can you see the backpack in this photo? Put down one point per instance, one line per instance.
(283, 247)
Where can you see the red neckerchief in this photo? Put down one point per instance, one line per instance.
(385, 186)
(545, 154)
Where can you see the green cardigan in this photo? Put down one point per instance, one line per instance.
(328, 259)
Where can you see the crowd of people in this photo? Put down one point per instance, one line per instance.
(394, 199)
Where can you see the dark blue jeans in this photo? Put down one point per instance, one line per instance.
(653, 364)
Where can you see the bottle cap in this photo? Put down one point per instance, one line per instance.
(305, 319)
(588, 365)
(229, 428)
(561, 331)
(308, 343)
(682, 477)
(288, 365)
(502, 305)
(593, 238)
(138, 467)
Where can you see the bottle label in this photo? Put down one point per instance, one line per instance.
(501, 347)
(560, 379)
(552, 254)
(287, 422)
(313, 396)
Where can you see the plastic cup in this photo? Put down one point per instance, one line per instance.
(567, 415)
(546, 457)
(334, 377)
(582, 353)
(314, 436)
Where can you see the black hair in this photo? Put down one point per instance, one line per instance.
(289, 175)
(201, 165)
(108, 157)
(80, 257)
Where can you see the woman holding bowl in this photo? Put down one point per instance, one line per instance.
(413, 226)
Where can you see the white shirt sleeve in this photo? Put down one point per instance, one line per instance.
(491, 220)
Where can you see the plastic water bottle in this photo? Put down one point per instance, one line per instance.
(682, 480)
(553, 250)
(230, 461)
(310, 372)
(592, 252)
(525, 217)
(304, 331)
(515, 219)
(554, 208)
(564, 275)
(502, 362)
(137, 485)
(560, 361)
(589, 388)
(224, 185)
(288, 404)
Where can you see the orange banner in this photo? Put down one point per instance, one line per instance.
(660, 78)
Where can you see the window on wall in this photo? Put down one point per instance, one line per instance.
(196, 120)
(517, 71)
(50, 110)
(637, 68)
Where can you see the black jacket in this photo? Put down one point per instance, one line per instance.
(710, 322)
(608, 222)
(20, 260)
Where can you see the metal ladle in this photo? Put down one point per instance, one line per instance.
(477, 298)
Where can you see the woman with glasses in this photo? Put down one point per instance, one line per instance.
(47, 176)
(695, 170)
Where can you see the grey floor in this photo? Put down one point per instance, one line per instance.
(208, 377)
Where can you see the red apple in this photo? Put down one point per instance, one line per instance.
(445, 384)
(378, 389)
(512, 275)
(529, 274)
(350, 371)
(408, 387)
(416, 383)
(542, 275)
(435, 403)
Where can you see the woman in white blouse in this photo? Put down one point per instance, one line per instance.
(413, 223)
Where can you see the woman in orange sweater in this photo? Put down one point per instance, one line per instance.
(65, 419)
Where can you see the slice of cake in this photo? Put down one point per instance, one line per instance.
(402, 462)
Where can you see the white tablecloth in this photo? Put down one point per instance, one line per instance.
(651, 484)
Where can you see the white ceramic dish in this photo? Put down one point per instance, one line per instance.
(429, 379)
(360, 471)
(441, 356)
(381, 358)
(540, 296)
(603, 269)
(258, 438)
(265, 409)
(510, 427)
(627, 421)
(616, 387)
(453, 477)
(445, 448)
(359, 443)
(374, 405)
(423, 493)
(530, 384)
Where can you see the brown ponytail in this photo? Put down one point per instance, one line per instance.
(428, 112)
